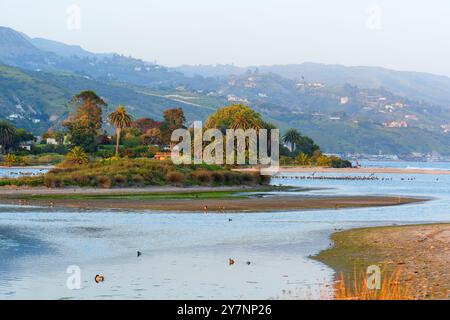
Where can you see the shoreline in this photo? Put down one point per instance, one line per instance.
(193, 199)
(418, 253)
(299, 169)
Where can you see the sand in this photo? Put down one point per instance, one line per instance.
(123, 199)
(421, 253)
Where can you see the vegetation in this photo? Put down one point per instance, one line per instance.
(84, 127)
(77, 156)
(83, 137)
(119, 119)
(111, 173)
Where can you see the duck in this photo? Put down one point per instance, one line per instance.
(99, 278)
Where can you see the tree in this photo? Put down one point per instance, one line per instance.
(7, 136)
(120, 119)
(152, 136)
(235, 117)
(145, 124)
(292, 137)
(77, 156)
(84, 127)
(173, 119)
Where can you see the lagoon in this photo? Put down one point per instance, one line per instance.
(185, 256)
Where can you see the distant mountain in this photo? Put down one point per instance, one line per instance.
(40, 100)
(413, 85)
(18, 50)
(14, 45)
(64, 50)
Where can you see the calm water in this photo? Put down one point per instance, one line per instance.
(186, 255)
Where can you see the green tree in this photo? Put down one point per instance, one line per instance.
(84, 127)
(152, 136)
(7, 136)
(120, 119)
(291, 138)
(306, 145)
(173, 119)
(235, 117)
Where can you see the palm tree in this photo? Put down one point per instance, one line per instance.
(120, 119)
(77, 156)
(291, 138)
(7, 134)
(244, 122)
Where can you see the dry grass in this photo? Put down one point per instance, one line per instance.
(393, 287)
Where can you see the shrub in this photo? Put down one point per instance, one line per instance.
(217, 177)
(104, 182)
(175, 178)
(80, 179)
(52, 181)
(120, 179)
(138, 179)
(202, 177)
(249, 178)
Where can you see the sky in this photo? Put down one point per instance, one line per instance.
(398, 34)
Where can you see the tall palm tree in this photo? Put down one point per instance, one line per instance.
(291, 138)
(120, 119)
(7, 133)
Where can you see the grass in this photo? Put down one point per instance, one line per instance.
(392, 288)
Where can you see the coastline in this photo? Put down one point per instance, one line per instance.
(419, 253)
(193, 199)
(299, 169)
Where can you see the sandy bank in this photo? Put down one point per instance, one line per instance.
(421, 253)
(220, 200)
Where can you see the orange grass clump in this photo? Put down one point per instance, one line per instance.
(393, 287)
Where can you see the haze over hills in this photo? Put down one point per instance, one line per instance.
(346, 109)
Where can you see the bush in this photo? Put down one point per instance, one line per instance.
(52, 181)
(120, 179)
(80, 179)
(175, 178)
(138, 179)
(217, 177)
(104, 182)
(249, 178)
(203, 177)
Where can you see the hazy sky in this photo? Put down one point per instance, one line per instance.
(399, 34)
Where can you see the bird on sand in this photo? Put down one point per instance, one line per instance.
(139, 254)
(231, 262)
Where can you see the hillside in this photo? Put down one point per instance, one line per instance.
(39, 100)
(431, 88)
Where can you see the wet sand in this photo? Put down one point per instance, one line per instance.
(420, 252)
(140, 199)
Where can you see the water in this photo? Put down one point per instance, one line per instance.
(185, 256)
(19, 172)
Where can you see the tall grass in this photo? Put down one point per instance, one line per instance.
(393, 287)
